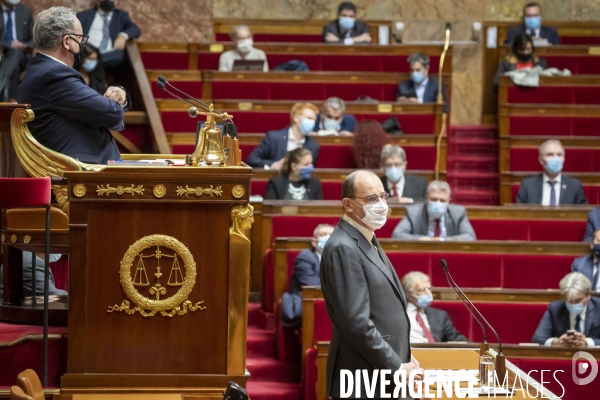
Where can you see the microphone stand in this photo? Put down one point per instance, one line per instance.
(440, 101)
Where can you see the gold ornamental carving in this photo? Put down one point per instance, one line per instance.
(3, 238)
(242, 217)
(153, 301)
(159, 191)
(120, 190)
(238, 191)
(79, 190)
(27, 239)
(187, 191)
(13, 239)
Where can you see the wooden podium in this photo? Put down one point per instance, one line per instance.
(158, 286)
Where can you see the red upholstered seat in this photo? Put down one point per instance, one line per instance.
(586, 95)
(192, 88)
(240, 90)
(576, 160)
(258, 187)
(543, 272)
(468, 270)
(554, 126)
(573, 40)
(500, 229)
(404, 263)
(334, 156)
(524, 315)
(332, 190)
(461, 318)
(161, 60)
(314, 61)
(269, 279)
(295, 226)
(541, 95)
(322, 332)
(208, 60)
(588, 65)
(548, 231)
(25, 192)
(386, 231)
(310, 374)
(561, 62)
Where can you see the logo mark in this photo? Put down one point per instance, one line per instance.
(583, 367)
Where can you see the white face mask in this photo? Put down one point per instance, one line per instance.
(375, 214)
(244, 46)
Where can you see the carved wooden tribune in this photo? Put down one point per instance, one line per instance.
(158, 290)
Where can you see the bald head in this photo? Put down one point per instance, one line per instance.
(350, 185)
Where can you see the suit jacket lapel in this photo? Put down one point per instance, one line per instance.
(589, 317)
(539, 188)
(566, 322)
(433, 325)
(563, 191)
(429, 90)
(424, 220)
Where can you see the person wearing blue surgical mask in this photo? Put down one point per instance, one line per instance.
(436, 219)
(401, 187)
(346, 29)
(295, 180)
(573, 321)
(532, 25)
(421, 88)
(551, 188)
(92, 70)
(333, 120)
(427, 324)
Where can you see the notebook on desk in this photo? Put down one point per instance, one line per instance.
(248, 65)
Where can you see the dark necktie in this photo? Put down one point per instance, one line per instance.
(426, 330)
(437, 231)
(595, 278)
(552, 193)
(105, 34)
(9, 27)
(578, 324)
(381, 253)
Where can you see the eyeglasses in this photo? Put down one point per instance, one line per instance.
(84, 38)
(372, 199)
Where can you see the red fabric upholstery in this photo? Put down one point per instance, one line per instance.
(461, 318)
(331, 190)
(293, 226)
(410, 123)
(586, 126)
(388, 228)
(269, 279)
(24, 192)
(588, 65)
(500, 229)
(543, 272)
(576, 160)
(240, 90)
(586, 95)
(208, 60)
(548, 231)
(463, 267)
(322, 330)
(334, 156)
(165, 60)
(404, 263)
(524, 316)
(541, 95)
(572, 40)
(192, 88)
(258, 187)
(554, 126)
(310, 374)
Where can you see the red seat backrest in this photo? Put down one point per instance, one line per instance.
(258, 187)
(525, 316)
(159, 60)
(269, 278)
(386, 231)
(332, 190)
(541, 95)
(500, 229)
(461, 318)
(542, 272)
(468, 270)
(322, 330)
(554, 231)
(404, 263)
(299, 226)
(576, 160)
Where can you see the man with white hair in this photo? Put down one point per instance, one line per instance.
(574, 321)
(436, 219)
(427, 324)
(551, 188)
(70, 117)
(401, 187)
(242, 38)
(333, 120)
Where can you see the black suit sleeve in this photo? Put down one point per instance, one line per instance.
(29, 29)
(544, 330)
(580, 197)
(331, 28)
(258, 157)
(589, 228)
(522, 197)
(449, 332)
(271, 193)
(129, 27)
(305, 272)
(317, 190)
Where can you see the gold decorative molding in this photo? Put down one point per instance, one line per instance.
(159, 191)
(79, 190)
(238, 191)
(27, 239)
(120, 190)
(242, 217)
(199, 191)
(3, 238)
(13, 239)
(178, 303)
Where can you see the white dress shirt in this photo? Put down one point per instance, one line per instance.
(589, 341)
(53, 58)
(420, 89)
(366, 233)
(97, 31)
(431, 227)
(292, 143)
(417, 335)
(396, 188)
(14, 22)
(546, 190)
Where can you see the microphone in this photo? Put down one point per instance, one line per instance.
(161, 86)
(500, 359)
(161, 79)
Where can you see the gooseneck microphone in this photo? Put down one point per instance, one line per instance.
(162, 86)
(161, 79)
(500, 358)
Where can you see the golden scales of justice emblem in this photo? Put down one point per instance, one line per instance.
(178, 304)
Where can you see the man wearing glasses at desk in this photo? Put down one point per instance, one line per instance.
(70, 117)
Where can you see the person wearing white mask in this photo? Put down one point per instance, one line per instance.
(346, 29)
(427, 324)
(333, 120)
(421, 88)
(401, 187)
(306, 273)
(242, 39)
(551, 188)
(436, 219)
(363, 295)
(574, 321)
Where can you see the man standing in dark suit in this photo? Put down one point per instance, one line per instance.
(109, 30)
(271, 151)
(401, 187)
(532, 25)
(574, 321)
(306, 273)
(436, 219)
(70, 117)
(590, 265)
(551, 188)
(346, 29)
(421, 88)
(427, 324)
(364, 298)
(17, 41)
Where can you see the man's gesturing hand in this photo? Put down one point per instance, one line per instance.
(116, 94)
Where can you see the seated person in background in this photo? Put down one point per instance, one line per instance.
(70, 117)
(532, 25)
(346, 29)
(421, 88)
(427, 324)
(272, 149)
(590, 265)
(369, 139)
(574, 321)
(39, 276)
(435, 219)
(295, 181)
(92, 70)
(241, 36)
(593, 224)
(521, 55)
(306, 273)
(333, 120)
(109, 30)
(401, 187)
(551, 188)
